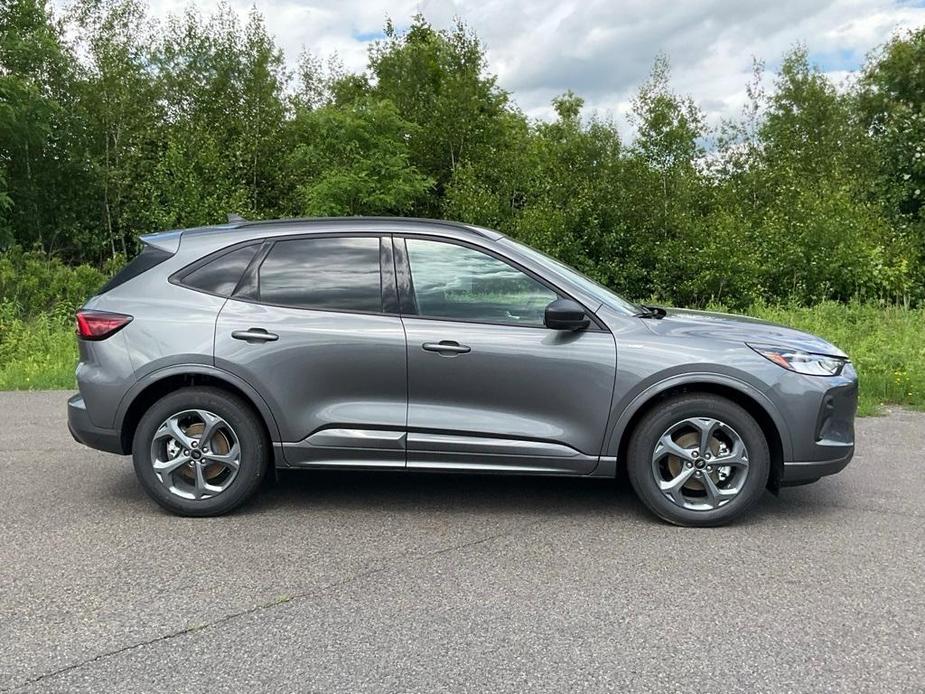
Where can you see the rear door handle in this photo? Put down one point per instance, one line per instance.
(447, 347)
(254, 335)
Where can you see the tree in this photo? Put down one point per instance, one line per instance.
(223, 89)
(263, 111)
(5, 204)
(667, 193)
(355, 160)
(558, 186)
(802, 192)
(316, 82)
(41, 145)
(436, 81)
(891, 103)
(121, 100)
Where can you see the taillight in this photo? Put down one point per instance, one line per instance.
(98, 325)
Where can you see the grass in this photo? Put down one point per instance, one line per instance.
(38, 353)
(886, 344)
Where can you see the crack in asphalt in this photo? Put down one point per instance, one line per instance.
(306, 595)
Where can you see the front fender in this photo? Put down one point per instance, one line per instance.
(633, 402)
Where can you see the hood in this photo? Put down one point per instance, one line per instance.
(730, 327)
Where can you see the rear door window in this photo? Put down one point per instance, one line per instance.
(335, 274)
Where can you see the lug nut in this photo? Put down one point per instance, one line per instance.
(709, 468)
(707, 456)
(194, 444)
(185, 452)
(694, 454)
(690, 464)
(697, 473)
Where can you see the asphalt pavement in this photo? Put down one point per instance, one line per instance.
(395, 582)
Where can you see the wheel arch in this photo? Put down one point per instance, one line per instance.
(751, 400)
(159, 383)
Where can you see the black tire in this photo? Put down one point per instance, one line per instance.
(254, 450)
(645, 438)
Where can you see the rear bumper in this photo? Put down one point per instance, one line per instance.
(84, 431)
(796, 473)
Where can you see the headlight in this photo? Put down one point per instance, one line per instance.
(802, 362)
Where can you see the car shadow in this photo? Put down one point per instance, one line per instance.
(410, 491)
(507, 495)
(308, 491)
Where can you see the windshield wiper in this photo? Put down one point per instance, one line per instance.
(655, 312)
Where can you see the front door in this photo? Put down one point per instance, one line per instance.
(311, 331)
(489, 386)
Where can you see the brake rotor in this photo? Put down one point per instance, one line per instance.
(675, 464)
(218, 445)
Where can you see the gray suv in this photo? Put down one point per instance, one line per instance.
(408, 344)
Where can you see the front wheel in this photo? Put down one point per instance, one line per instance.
(200, 452)
(698, 460)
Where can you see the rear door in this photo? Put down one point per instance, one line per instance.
(313, 326)
(490, 387)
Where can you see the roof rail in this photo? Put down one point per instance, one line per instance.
(401, 220)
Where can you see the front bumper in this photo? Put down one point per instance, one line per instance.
(85, 432)
(796, 473)
(824, 428)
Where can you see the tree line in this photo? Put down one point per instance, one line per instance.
(113, 125)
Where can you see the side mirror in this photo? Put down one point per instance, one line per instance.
(565, 314)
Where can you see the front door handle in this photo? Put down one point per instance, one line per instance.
(446, 347)
(254, 335)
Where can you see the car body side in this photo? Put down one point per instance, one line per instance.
(808, 420)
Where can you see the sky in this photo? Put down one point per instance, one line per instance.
(603, 49)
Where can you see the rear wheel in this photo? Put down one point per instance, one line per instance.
(200, 452)
(698, 460)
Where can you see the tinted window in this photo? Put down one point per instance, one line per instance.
(221, 276)
(461, 283)
(144, 261)
(331, 273)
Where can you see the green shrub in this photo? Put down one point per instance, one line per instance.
(38, 297)
(33, 284)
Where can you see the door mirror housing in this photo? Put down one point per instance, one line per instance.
(565, 314)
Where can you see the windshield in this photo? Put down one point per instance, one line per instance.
(595, 289)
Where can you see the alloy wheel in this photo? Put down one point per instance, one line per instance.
(700, 463)
(195, 454)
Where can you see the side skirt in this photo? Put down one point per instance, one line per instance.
(385, 450)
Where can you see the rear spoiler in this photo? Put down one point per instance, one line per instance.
(167, 241)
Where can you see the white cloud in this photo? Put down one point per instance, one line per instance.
(603, 49)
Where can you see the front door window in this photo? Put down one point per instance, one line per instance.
(459, 283)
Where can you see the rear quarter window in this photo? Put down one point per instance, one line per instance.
(220, 275)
